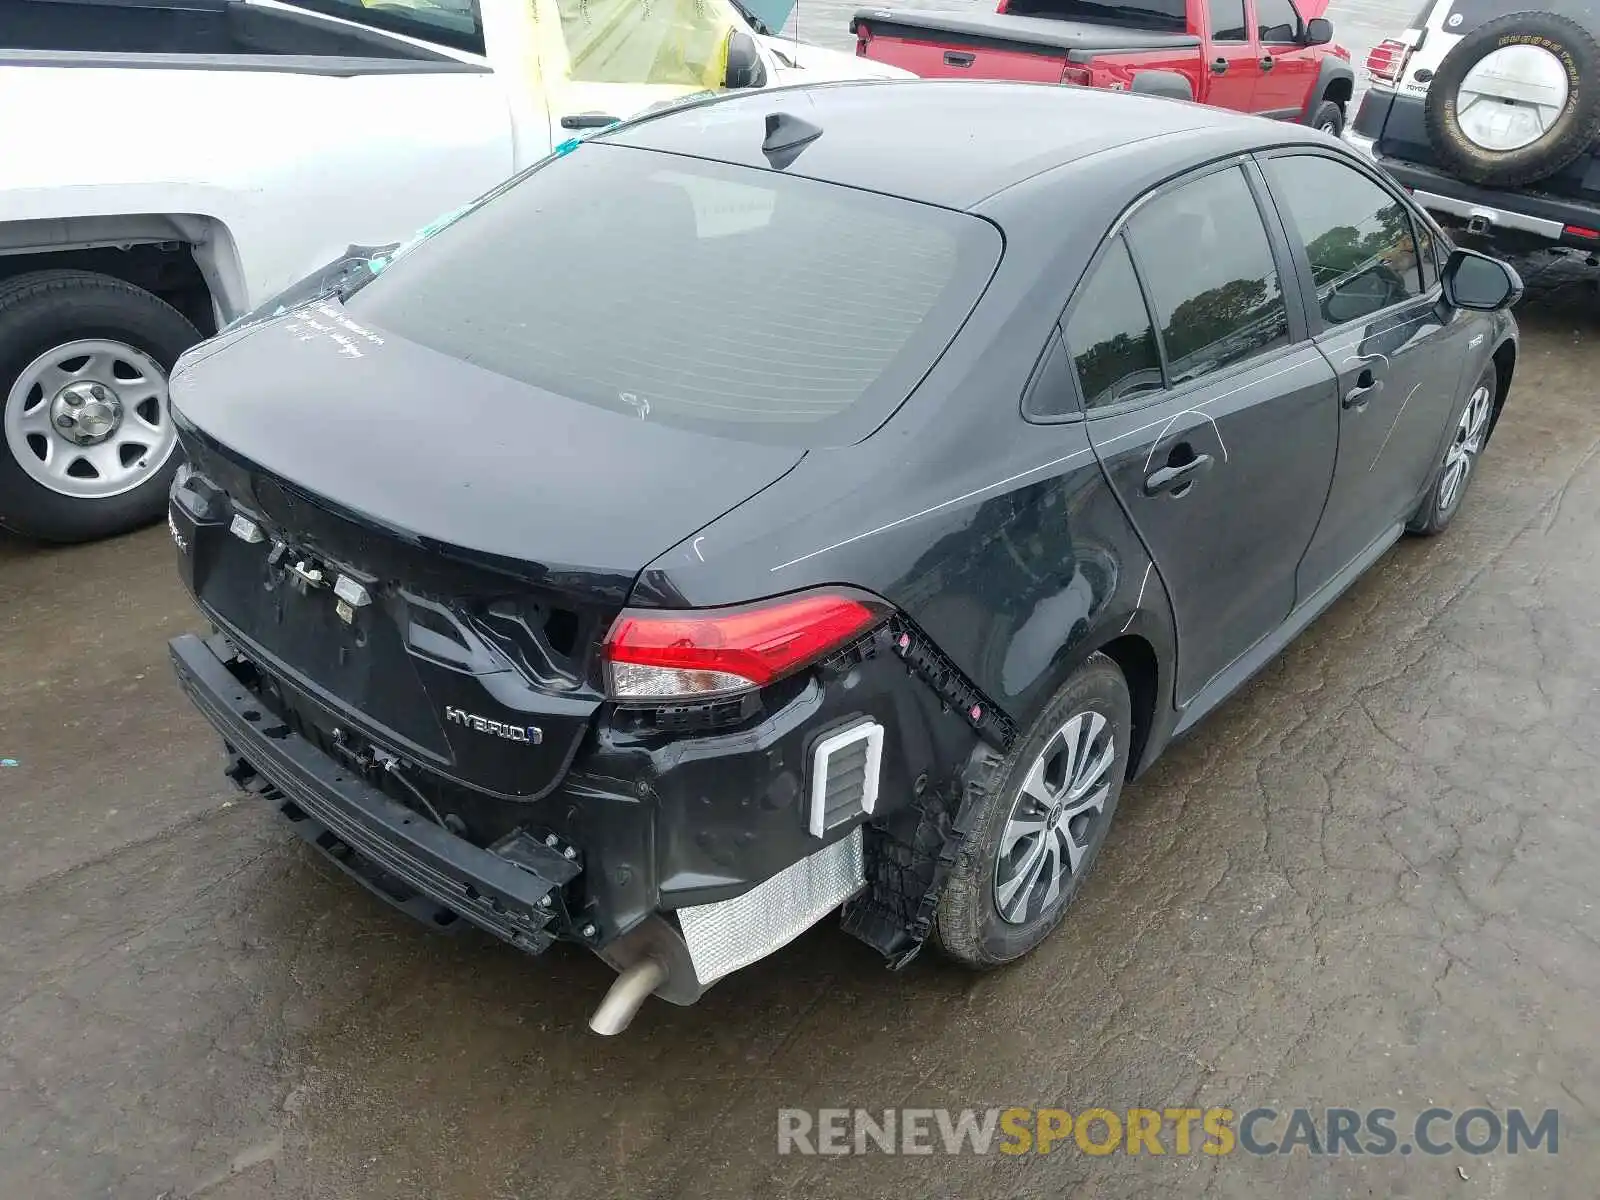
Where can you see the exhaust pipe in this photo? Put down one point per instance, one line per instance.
(627, 995)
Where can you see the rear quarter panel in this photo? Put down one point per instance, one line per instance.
(998, 537)
(1116, 71)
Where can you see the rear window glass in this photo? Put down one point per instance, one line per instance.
(445, 22)
(1163, 16)
(736, 301)
(1463, 16)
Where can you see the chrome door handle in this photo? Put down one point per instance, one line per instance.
(1177, 480)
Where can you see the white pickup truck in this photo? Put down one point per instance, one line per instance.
(168, 165)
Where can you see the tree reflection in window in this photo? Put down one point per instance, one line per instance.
(1205, 258)
(1357, 236)
(1109, 334)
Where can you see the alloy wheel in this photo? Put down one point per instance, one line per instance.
(1464, 447)
(89, 419)
(1055, 817)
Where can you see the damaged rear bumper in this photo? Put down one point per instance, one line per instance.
(514, 893)
(640, 865)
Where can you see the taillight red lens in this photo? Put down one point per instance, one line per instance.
(1387, 60)
(1081, 76)
(863, 36)
(1580, 231)
(680, 654)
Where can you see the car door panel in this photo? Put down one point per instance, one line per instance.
(1222, 459)
(1386, 336)
(1231, 66)
(1288, 66)
(1228, 545)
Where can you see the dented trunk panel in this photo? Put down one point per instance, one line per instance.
(445, 664)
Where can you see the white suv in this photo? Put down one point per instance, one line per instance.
(1487, 112)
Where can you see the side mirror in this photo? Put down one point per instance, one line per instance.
(1476, 281)
(746, 69)
(1319, 31)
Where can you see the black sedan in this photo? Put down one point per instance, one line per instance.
(824, 497)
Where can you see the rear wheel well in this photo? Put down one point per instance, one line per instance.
(165, 269)
(1340, 91)
(1136, 658)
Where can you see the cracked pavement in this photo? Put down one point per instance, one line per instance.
(1367, 881)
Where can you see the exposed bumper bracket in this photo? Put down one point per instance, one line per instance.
(395, 852)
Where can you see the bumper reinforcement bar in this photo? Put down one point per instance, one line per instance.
(398, 854)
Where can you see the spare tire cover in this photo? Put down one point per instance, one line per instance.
(1516, 99)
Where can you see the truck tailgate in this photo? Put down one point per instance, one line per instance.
(993, 45)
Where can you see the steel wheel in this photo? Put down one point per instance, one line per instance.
(1511, 97)
(89, 419)
(1464, 447)
(1053, 817)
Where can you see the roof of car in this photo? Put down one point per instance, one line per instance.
(947, 142)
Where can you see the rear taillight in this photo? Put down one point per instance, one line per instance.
(1387, 60)
(1580, 231)
(1081, 76)
(672, 654)
(863, 36)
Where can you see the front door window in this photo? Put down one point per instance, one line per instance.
(673, 42)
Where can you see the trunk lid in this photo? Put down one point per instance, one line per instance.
(495, 528)
(442, 451)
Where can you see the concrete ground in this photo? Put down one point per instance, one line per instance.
(1367, 881)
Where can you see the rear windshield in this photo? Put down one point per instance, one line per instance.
(1162, 16)
(740, 302)
(1463, 16)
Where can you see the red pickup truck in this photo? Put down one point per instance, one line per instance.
(1270, 57)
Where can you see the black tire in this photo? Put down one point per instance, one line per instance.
(1329, 118)
(969, 926)
(1569, 136)
(45, 309)
(1442, 503)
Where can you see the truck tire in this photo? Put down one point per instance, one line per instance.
(1329, 118)
(1529, 141)
(87, 446)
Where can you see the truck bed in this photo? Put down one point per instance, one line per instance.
(996, 45)
(1002, 28)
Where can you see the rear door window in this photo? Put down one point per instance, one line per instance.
(1358, 237)
(1227, 21)
(1205, 260)
(740, 302)
(454, 23)
(1110, 335)
(1463, 16)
